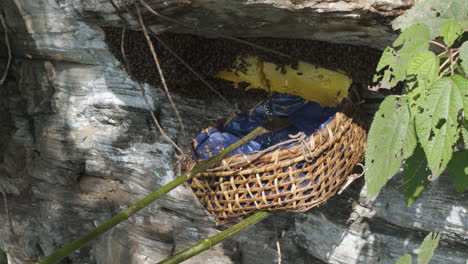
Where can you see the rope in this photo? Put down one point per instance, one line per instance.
(304, 146)
(299, 137)
(352, 178)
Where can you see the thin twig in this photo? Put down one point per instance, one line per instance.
(442, 53)
(278, 248)
(7, 43)
(7, 210)
(158, 125)
(279, 53)
(122, 48)
(443, 64)
(119, 13)
(133, 209)
(193, 71)
(210, 242)
(143, 93)
(438, 44)
(278, 245)
(444, 72)
(452, 72)
(455, 61)
(158, 66)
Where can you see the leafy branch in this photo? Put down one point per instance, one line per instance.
(425, 128)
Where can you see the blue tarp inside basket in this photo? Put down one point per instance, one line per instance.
(305, 116)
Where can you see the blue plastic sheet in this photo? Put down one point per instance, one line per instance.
(305, 116)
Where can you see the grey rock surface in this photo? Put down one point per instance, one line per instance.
(78, 146)
(359, 22)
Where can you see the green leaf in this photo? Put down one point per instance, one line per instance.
(415, 175)
(436, 123)
(410, 139)
(425, 64)
(426, 251)
(411, 41)
(413, 38)
(458, 170)
(416, 90)
(464, 56)
(406, 259)
(434, 14)
(391, 139)
(464, 132)
(462, 84)
(450, 31)
(387, 59)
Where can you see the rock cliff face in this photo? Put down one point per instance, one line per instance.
(78, 145)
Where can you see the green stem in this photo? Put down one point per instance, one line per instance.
(70, 248)
(209, 242)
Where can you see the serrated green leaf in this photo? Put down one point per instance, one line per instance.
(387, 59)
(425, 64)
(450, 31)
(434, 14)
(462, 85)
(416, 90)
(458, 170)
(464, 132)
(436, 124)
(391, 139)
(411, 41)
(426, 251)
(415, 175)
(414, 36)
(406, 259)
(410, 140)
(464, 56)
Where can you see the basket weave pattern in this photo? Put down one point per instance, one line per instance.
(287, 178)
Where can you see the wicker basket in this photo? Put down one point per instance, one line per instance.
(287, 178)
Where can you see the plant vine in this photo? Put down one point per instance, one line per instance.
(426, 127)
